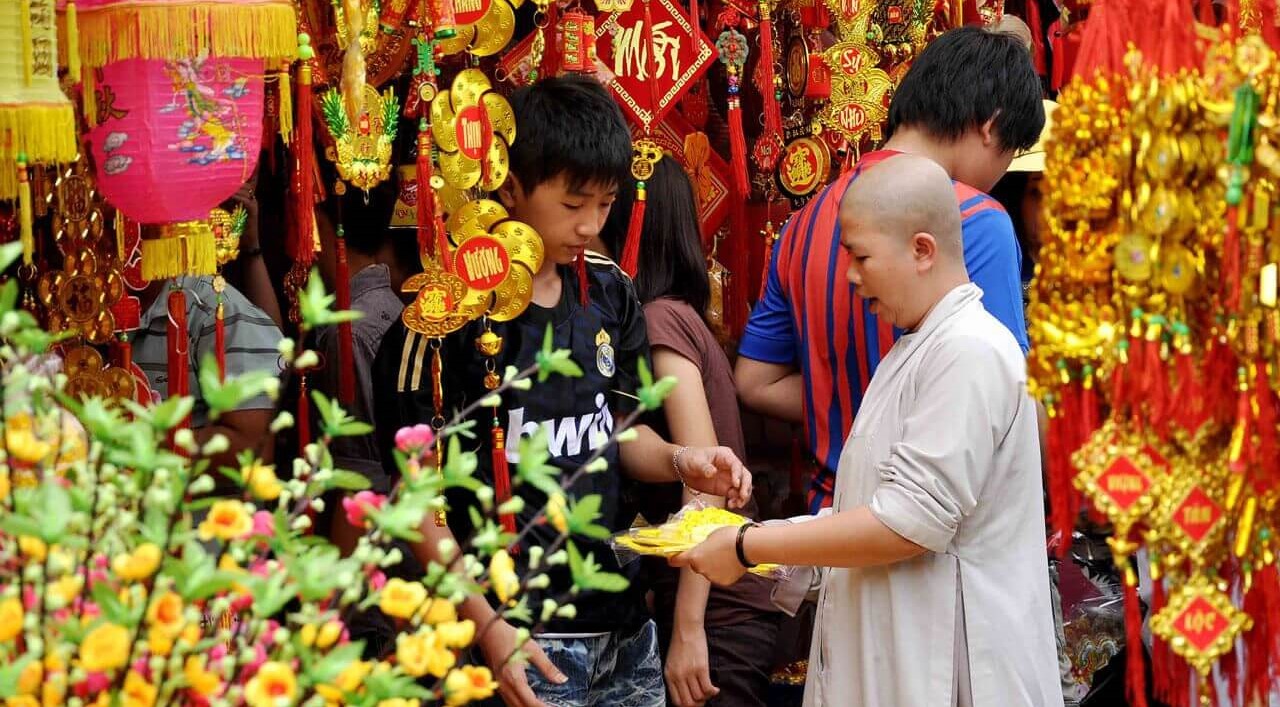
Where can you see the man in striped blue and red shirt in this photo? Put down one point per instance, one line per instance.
(970, 102)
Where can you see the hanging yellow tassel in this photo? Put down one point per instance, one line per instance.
(25, 214)
(146, 30)
(286, 104)
(185, 248)
(89, 95)
(73, 42)
(119, 229)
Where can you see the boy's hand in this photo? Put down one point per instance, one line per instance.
(717, 471)
(498, 644)
(688, 670)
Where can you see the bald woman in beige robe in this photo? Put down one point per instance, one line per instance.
(937, 592)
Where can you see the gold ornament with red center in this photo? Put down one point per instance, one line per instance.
(1200, 623)
(473, 126)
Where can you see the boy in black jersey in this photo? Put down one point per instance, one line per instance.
(571, 152)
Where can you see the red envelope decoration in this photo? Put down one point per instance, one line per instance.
(681, 55)
(707, 170)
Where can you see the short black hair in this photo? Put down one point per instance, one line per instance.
(365, 218)
(569, 125)
(966, 77)
(671, 263)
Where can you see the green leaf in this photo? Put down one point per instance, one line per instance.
(650, 393)
(170, 413)
(52, 505)
(608, 582)
(348, 481)
(17, 525)
(225, 396)
(314, 305)
(353, 429)
(9, 254)
(328, 668)
(533, 468)
(12, 673)
(217, 582)
(8, 295)
(112, 608)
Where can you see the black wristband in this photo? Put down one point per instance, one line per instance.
(251, 252)
(742, 556)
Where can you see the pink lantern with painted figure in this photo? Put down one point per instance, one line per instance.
(175, 139)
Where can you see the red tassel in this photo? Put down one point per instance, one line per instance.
(1037, 38)
(580, 265)
(635, 231)
(738, 150)
(551, 52)
(772, 111)
(501, 475)
(301, 241)
(179, 349)
(426, 197)
(346, 358)
(1206, 13)
(220, 340)
(304, 414)
(1265, 427)
(1136, 677)
(771, 238)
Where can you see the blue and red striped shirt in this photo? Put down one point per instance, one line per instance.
(811, 317)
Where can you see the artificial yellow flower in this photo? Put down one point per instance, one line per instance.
(138, 692)
(4, 484)
(274, 680)
(228, 564)
(165, 614)
(33, 547)
(423, 653)
(22, 701)
(469, 683)
(438, 611)
(502, 575)
(457, 634)
(31, 678)
(191, 634)
(54, 692)
(10, 619)
(556, 510)
(203, 682)
(137, 565)
(67, 588)
(261, 481)
(329, 634)
(398, 702)
(159, 642)
(400, 598)
(105, 648)
(21, 442)
(228, 520)
(348, 681)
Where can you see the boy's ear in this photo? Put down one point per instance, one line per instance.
(507, 192)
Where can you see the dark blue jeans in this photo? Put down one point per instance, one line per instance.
(616, 670)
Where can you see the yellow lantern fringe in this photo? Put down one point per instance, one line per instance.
(89, 97)
(73, 42)
(266, 30)
(185, 248)
(8, 180)
(46, 132)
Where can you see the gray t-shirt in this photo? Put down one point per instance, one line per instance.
(252, 341)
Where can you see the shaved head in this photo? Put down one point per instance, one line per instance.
(905, 195)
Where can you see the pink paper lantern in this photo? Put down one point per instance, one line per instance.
(175, 140)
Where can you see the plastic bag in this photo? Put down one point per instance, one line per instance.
(683, 531)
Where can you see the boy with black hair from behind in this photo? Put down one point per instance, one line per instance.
(571, 153)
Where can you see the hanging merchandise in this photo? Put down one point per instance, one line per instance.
(37, 121)
(363, 140)
(176, 139)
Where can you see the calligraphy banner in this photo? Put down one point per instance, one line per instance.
(681, 54)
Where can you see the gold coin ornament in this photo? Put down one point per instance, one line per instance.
(484, 27)
(472, 126)
(79, 297)
(362, 145)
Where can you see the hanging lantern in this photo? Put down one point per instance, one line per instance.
(36, 119)
(176, 139)
(579, 40)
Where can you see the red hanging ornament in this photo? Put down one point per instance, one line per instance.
(578, 41)
(501, 475)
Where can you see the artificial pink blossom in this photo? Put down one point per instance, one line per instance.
(358, 507)
(415, 440)
(377, 580)
(264, 524)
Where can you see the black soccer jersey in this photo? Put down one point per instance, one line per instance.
(606, 340)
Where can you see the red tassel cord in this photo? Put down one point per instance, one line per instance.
(501, 475)
(1089, 406)
(1262, 642)
(635, 231)
(300, 243)
(346, 357)
(1135, 672)
(770, 240)
(765, 75)
(733, 52)
(1240, 453)
(1264, 406)
(220, 339)
(179, 350)
(580, 266)
(737, 260)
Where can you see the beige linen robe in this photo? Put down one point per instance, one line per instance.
(945, 452)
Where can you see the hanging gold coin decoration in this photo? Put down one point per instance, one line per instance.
(472, 126)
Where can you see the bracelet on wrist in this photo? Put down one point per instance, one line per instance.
(742, 555)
